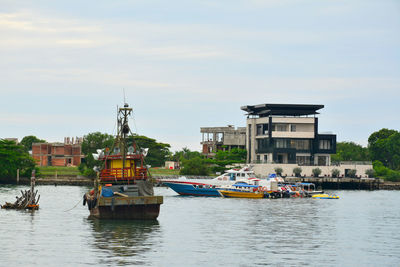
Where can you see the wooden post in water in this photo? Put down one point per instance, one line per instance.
(17, 176)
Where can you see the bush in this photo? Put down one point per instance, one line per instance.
(278, 171)
(316, 172)
(297, 171)
(195, 166)
(335, 173)
(393, 176)
(370, 173)
(352, 173)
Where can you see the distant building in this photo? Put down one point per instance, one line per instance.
(172, 165)
(12, 139)
(222, 138)
(68, 153)
(288, 134)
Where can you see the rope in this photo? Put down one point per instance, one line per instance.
(73, 206)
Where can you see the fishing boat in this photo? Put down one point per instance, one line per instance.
(209, 187)
(242, 190)
(325, 196)
(123, 189)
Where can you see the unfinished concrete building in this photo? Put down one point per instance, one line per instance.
(222, 138)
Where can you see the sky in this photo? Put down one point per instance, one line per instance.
(65, 66)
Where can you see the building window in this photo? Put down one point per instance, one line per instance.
(281, 127)
(293, 127)
(265, 158)
(258, 158)
(280, 143)
(324, 144)
(300, 144)
(303, 160)
(262, 129)
(322, 161)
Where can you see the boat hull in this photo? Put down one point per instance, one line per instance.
(192, 189)
(129, 208)
(325, 196)
(240, 194)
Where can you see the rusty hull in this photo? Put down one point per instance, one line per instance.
(131, 208)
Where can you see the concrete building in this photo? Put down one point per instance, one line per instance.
(287, 134)
(222, 138)
(68, 153)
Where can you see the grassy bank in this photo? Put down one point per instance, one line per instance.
(163, 171)
(50, 171)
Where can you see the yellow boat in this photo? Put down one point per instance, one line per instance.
(325, 196)
(242, 190)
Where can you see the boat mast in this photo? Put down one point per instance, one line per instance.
(123, 131)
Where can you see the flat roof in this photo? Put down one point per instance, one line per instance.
(264, 110)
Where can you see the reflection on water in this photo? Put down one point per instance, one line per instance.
(123, 242)
(359, 229)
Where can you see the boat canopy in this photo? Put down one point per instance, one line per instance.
(245, 185)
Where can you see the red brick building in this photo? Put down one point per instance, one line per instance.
(57, 154)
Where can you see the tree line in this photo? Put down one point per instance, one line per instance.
(383, 150)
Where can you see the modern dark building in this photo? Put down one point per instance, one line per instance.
(288, 134)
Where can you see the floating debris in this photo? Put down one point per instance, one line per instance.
(28, 199)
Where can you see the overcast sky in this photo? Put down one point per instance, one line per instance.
(188, 64)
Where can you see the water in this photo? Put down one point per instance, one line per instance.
(360, 229)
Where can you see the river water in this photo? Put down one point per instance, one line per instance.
(359, 229)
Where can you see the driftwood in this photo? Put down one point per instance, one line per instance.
(27, 200)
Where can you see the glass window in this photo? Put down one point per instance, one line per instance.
(262, 129)
(281, 127)
(280, 143)
(303, 160)
(293, 127)
(324, 144)
(259, 129)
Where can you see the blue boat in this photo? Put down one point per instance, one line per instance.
(193, 189)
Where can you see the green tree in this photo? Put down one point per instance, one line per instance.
(185, 153)
(350, 151)
(92, 142)
(13, 157)
(27, 141)
(157, 153)
(384, 146)
(195, 166)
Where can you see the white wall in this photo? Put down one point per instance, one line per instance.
(263, 170)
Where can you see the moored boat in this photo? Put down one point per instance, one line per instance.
(243, 190)
(325, 196)
(123, 189)
(209, 187)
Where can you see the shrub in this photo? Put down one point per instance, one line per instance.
(352, 173)
(370, 173)
(316, 172)
(335, 173)
(297, 171)
(278, 171)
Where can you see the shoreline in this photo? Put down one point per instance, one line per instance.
(325, 183)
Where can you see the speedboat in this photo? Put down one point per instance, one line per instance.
(242, 190)
(325, 196)
(209, 187)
